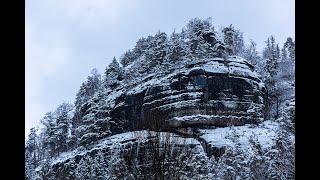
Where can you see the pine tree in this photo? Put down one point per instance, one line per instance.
(285, 76)
(233, 40)
(284, 54)
(32, 147)
(84, 168)
(201, 38)
(177, 51)
(290, 44)
(95, 123)
(251, 54)
(239, 46)
(127, 58)
(50, 143)
(279, 78)
(156, 51)
(100, 167)
(271, 54)
(113, 74)
(228, 38)
(176, 48)
(63, 119)
(140, 47)
(281, 157)
(85, 93)
(29, 164)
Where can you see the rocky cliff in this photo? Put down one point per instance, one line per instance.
(215, 92)
(177, 125)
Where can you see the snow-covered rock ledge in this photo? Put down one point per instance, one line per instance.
(203, 148)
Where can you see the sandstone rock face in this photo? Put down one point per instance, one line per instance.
(138, 150)
(134, 155)
(190, 109)
(215, 92)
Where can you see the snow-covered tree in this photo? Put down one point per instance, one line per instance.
(290, 45)
(56, 134)
(95, 123)
(251, 54)
(279, 71)
(140, 47)
(63, 117)
(271, 54)
(239, 45)
(201, 39)
(233, 40)
(32, 147)
(89, 87)
(127, 58)
(49, 123)
(84, 168)
(281, 157)
(86, 91)
(100, 166)
(113, 74)
(176, 48)
(29, 165)
(157, 49)
(288, 59)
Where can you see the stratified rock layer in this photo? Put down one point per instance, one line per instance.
(215, 92)
(133, 155)
(191, 108)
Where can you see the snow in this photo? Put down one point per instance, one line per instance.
(118, 140)
(112, 97)
(143, 86)
(215, 67)
(229, 136)
(194, 117)
(180, 104)
(178, 96)
(238, 59)
(230, 104)
(235, 66)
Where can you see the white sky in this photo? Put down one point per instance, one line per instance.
(65, 39)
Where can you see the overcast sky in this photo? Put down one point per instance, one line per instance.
(65, 39)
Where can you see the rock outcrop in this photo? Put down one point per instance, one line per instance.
(191, 109)
(215, 92)
(143, 154)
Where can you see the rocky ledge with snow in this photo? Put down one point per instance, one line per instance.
(192, 116)
(223, 92)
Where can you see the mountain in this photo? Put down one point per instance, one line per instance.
(184, 107)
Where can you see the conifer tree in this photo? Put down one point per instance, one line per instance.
(113, 74)
(32, 146)
(127, 58)
(271, 54)
(233, 40)
(50, 144)
(63, 120)
(201, 38)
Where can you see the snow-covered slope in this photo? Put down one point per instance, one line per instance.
(202, 151)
